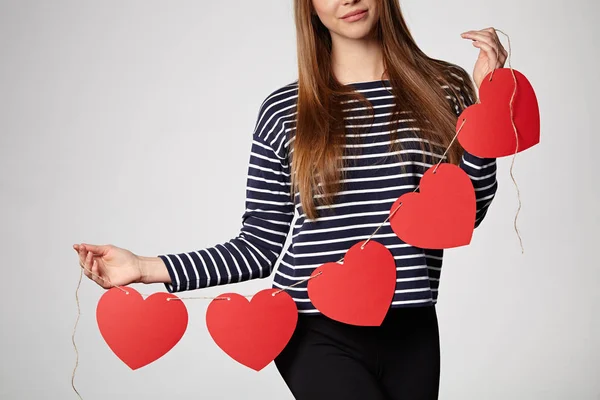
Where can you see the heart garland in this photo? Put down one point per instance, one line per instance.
(441, 215)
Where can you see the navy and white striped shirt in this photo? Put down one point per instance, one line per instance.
(374, 181)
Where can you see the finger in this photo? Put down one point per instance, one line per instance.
(82, 259)
(96, 249)
(87, 273)
(484, 38)
(494, 34)
(503, 53)
(82, 253)
(492, 31)
(501, 50)
(489, 51)
(501, 60)
(82, 256)
(93, 267)
(88, 264)
(481, 36)
(96, 274)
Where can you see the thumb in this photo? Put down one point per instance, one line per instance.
(98, 250)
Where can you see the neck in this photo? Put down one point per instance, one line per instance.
(356, 60)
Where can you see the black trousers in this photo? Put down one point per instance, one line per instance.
(399, 360)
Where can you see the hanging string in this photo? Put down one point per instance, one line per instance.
(512, 120)
(73, 335)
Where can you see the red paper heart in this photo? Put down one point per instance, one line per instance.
(441, 215)
(488, 130)
(252, 332)
(140, 331)
(359, 291)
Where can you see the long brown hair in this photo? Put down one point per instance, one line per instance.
(318, 145)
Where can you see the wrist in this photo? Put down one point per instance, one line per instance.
(153, 270)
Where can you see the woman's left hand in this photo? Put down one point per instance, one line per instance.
(491, 56)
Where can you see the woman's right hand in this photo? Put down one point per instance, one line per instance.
(108, 265)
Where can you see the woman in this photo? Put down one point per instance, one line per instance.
(368, 115)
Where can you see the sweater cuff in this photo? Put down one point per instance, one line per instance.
(175, 285)
(469, 158)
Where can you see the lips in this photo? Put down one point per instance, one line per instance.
(352, 13)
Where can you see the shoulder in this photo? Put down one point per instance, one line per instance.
(281, 94)
(277, 103)
(276, 113)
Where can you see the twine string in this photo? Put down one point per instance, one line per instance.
(512, 120)
(73, 335)
(297, 283)
(107, 280)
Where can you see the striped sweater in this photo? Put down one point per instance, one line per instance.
(374, 181)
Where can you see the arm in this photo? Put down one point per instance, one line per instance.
(482, 171)
(265, 225)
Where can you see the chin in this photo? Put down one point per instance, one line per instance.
(355, 34)
(358, 31)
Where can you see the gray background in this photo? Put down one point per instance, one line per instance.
(130, 122)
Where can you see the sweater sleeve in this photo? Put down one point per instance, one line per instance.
(482, 171)
(265, 225)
